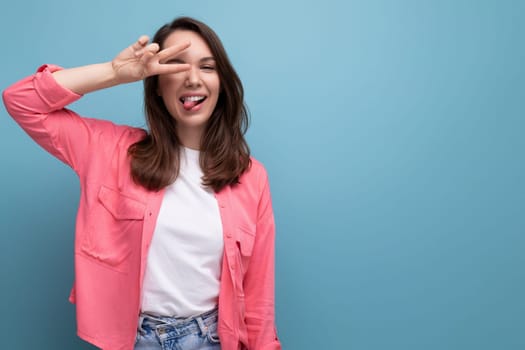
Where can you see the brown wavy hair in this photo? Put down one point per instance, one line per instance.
(225, 155)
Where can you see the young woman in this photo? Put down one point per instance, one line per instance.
(174, 243)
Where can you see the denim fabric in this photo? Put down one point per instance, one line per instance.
(170, 333)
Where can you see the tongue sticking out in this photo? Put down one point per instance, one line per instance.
(190, 104)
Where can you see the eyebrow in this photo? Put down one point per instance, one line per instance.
(202, 60)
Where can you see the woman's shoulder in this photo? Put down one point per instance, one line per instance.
(256, 171)
(256, 165)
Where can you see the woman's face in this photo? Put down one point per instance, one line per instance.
(190, 96)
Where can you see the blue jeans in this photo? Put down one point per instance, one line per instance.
(170, 333)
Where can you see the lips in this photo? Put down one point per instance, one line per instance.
(190, 102)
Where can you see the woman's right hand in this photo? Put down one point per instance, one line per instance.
(141, 60)
(136, 62)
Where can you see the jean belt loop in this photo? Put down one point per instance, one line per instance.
(141, 320)
(202, 326)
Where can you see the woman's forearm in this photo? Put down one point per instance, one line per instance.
(84, 79)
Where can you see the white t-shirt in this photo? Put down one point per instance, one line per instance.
(183, 269)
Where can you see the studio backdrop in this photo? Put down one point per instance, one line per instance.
(393, 135)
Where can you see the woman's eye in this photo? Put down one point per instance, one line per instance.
(208, 67)
(175, 61)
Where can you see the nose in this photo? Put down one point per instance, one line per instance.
(193, 77)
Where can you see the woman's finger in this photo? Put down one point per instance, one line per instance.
(138, 46)
(151, 48)
(171, 51)
(170, 68)
(146, 56)
(140, 43)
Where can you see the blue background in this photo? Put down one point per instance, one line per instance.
(393, 135)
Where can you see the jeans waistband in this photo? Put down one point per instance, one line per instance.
(178, 325)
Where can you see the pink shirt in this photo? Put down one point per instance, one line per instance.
(116, 219)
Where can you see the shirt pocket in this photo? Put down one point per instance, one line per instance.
(114, 223)
(246, 239)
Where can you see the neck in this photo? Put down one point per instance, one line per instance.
(190, 137)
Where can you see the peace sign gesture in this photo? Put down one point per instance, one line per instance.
(141, 60)
(136, 62)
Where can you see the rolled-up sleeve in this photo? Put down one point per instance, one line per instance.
(37, 103)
